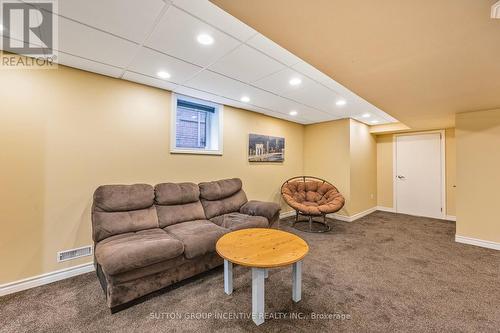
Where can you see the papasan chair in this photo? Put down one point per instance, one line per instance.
(312, 197)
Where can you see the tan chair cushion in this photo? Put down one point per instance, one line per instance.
(129, 251)
(312, 197)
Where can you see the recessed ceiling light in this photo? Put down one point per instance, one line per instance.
(245, 99)
(374, 121)
(295, 81)
(205, 39)
(341, 102)
(163, 75)
(293, 113)
(193, 117)
(366, 115)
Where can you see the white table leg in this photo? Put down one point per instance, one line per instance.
(258, 295)
(297, 281)
(266, 275)
(228, 277)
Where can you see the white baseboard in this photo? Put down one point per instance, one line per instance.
(386, 209)
(353, 217)
(336, 216)
(40, 280)
(287, 214)
(393, 210)
(477, 242)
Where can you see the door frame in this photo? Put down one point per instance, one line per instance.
(443, 167)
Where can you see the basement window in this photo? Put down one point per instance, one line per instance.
(196, 126)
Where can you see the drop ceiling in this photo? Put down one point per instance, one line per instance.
(134, 40)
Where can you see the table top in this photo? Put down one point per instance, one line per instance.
(261, 247)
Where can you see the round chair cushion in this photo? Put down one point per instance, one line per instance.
(312, 197)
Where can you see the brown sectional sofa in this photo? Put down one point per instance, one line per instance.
(147, 238)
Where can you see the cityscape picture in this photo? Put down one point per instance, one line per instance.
(264, 148)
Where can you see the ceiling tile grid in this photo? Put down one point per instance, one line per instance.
(193, 47)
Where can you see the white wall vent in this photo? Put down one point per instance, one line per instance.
(495, 11)
(74, 253)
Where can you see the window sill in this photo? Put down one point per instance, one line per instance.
(196, 152)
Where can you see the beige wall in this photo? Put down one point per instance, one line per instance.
(344, 153)
(64, 132)
(363, 162)
(385, 170)
(478, 161)
(451, 171)
(326, 154)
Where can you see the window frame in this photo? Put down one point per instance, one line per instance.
(214, 123)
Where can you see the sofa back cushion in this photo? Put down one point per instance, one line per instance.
(222, 197)
(119, 209)
(176, 203)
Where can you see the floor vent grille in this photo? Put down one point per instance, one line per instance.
(74, 253)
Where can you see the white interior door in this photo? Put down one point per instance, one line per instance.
(419, 175)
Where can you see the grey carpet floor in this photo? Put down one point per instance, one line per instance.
(383, 273)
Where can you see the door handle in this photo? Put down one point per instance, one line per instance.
(401, 177)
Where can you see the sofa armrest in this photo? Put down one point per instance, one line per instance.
(268, 210)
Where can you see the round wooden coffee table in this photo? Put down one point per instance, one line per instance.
(261, 249)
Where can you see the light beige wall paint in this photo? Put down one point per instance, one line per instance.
(326, 154)
(344, 153)
(385, 192)
(478, 182)
(451, 171)
(363, 161)
(384, 170)
(64, 132)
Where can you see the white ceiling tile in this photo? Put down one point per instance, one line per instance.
(308, 92)
(272, 49)
(274, 114)
(128, 19)
(220, 85)
(315, 74)
(80, 40)
(306, 69)
(278, 83)
(201, 95)
(150, 62)
(246, 64)
(176, 35)
(217, 84)
(313, 94)
(88, 65)
(217, 17)
(149, 81)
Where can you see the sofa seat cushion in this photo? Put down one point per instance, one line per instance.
(129, 251)
(199, 237)
(237, 221)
